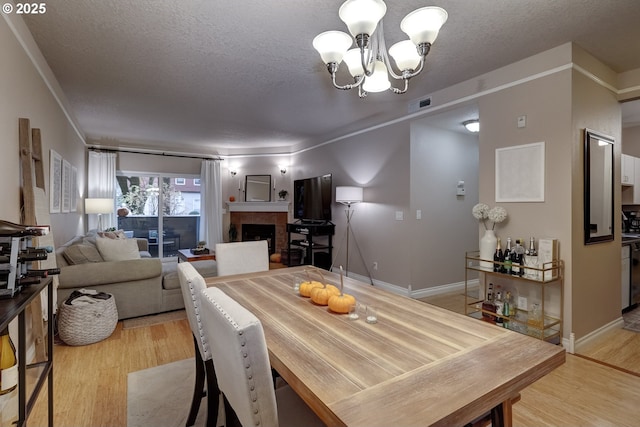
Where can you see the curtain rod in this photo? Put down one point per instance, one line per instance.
(116, 150)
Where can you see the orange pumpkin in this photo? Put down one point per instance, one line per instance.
(321, 295)
(341, 303)
(307, 287)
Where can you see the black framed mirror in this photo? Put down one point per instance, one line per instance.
(598, 187)
(257, 188)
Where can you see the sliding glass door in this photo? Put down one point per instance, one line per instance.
(163, 209)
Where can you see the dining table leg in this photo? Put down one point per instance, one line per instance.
(502, 415)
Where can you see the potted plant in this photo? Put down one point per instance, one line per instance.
(283, 194)
(233, 233)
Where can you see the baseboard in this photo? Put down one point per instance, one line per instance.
(420, 293)
(574, 346)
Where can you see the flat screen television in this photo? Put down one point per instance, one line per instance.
(312, 198)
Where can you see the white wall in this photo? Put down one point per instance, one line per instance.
(25, 94)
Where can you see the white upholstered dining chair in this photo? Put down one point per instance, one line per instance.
(242, 257)
(243, 369)
(192, 285)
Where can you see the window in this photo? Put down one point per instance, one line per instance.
(196, 181)
(181, 181)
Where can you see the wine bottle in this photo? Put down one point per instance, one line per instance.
(488, 306)
(5, 249)
(8, 364)
(10, 229)
(24, 256)
(498, 257)
(42, 273)
(507, 257)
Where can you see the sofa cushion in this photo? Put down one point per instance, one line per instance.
(81, 254)
(117, 249)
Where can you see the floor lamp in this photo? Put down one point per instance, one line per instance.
(99, 207)
(348, 196)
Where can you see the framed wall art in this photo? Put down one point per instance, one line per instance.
(74, 189)
(520, 173)
(66, 186)
(55, 181)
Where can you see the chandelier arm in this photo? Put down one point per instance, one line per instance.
(400, 91)
(333, 69)
(361, 93)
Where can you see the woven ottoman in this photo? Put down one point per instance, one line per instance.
(87, 323)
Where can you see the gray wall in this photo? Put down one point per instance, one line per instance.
(439, 159)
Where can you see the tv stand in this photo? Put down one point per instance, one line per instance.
(318, 253)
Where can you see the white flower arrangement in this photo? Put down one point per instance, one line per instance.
(496, 215)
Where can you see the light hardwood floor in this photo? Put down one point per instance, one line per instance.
(91, 381)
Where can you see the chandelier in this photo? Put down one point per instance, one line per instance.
(369, 63)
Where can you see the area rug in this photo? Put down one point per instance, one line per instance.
(161, 396)
(154, 319)
(632, 320)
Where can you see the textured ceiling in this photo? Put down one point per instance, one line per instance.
(233, 76)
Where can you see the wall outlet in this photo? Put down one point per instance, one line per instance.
(399, 216)
(522, 303)
(375, 265)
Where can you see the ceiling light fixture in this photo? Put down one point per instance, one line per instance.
(472, 125)
(369, 63)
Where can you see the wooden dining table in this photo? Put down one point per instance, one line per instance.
(419, 365)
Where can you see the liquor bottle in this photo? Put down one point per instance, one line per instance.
(498, 257)
(499, 307)
(507, 257)
(488, 305)
(532, 249)
(517, 259)
(8, 364)
(531, 260)
(10, 229)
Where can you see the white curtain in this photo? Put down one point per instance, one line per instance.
(210, 203)
(101, 183)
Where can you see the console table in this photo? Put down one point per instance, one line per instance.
(11, 308)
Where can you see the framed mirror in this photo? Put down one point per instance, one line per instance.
(598, 187)
(257, 188)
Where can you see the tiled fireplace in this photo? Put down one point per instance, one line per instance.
(262, 214)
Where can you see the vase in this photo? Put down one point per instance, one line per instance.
(488, 243)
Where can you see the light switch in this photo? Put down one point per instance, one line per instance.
(460, 191)
(522, 121)
(418, 214)
(399, 216)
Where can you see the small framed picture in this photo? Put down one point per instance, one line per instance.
(55, 182)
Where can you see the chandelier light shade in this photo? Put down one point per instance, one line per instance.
(422, 25)
(369, 59)
(362, 16)
(348, 195)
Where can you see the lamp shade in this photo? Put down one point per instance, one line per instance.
(379, 80)
(422, 25)
(332, 45)
(353, 59)
(98, 206)
(362, 16)
(349, 195)
(405, 55)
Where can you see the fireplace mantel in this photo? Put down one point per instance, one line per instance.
(279, 206)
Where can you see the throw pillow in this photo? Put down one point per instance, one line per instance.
(81, 254)
(118, 234)
(117, 249)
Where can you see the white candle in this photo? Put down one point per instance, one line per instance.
(274, 184)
